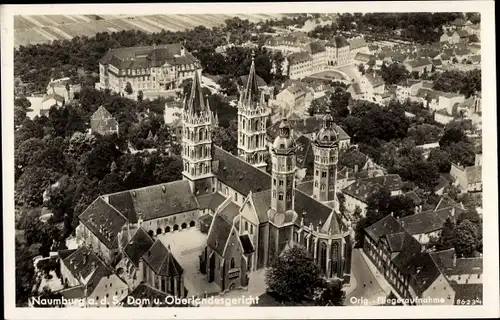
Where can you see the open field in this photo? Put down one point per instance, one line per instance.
(44, 28)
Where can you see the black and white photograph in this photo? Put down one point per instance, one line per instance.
(189, 157)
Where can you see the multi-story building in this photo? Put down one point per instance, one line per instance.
(253, 114)
(153, 68)
(299, 65)
(318, 54)
(338, 51)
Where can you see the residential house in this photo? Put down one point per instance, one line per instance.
(318, 54)
(419, 66)
(475, 48)
(64, 88)
(356, 45)
(358, 193)
(356, 161)
(473, 29)
(476, 60)
(404, 89)
(363, 58)
(152, 68)
(460, 36)
(447, 37)
(447, 100)
(293, 97)
(85, 275)
(355, 90)
(299, 65)
(438, 64)
(372, 85)
(424, 226)
(103, 122)
(468, 179)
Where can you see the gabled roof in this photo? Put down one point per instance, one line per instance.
(414, 197)
(210, 201)
(356, 88)
(146, 57)
(54, 96)
(314, 47)
(422, 271)
(299, 57)
(384, 226)
(247, 244)
(161, 260)
(445, 262)
(262, 203)
(104, 221)
(422, 223)
(468, 292)
(412, 248)
(357, 42)
(230, 211)
(138, 245)
(238, 174)
(101, 113)
(363, 57)
(313, 211)
(398, 241)
(156, 201)
(375, 81)
(85, 265)
(419, 62)
(220, 230)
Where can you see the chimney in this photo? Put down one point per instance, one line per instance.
(183, 51)
(454, 260)
(355, 168)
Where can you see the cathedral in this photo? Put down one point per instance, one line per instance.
(247, 216)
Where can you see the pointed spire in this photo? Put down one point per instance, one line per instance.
(251, 93)
(195, 103)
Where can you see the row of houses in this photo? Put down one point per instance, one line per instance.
(397, 249)
(306, 56)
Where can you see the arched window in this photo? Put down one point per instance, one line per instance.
(176, 227)
(200, 135)
(232, 263)
(323, 256)
(167, 229)
(184, 225)
(158, 231)
(192, 224)
(246, 225)
(151, 233)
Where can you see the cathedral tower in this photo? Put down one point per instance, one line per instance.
(252, 119)
(326, 150)
(197, 139)
(283, 169)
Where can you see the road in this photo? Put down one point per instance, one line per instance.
(363, 275)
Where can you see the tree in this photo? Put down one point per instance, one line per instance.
(371, 217)
(32, 184)
(445, 240)
(294, 275)
(440, 159)
(226, 138)
(25, 273)
(51, 297)
(394, 73)
(168, 169)
(21, 107)
(128, 88)
(452, 135)
(140, 96)
(332, 295)
(465, 239)
(339, 102)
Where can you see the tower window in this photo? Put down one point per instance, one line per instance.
(281, 182)
(274, 181)
(317, 172)
(315, 183)
(274, 194)
(280, 196)
(322, 186)
(323, 174)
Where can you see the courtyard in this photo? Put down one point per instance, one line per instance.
(186, 245)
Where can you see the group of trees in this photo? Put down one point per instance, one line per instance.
(466, 83)
(411, 26)
(465, 235)
(337, 102)
(295, 278)
(36, 64)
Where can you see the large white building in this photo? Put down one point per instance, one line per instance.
(153, 68)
